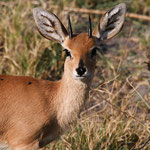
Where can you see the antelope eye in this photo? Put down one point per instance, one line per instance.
(93, 53)
(68, 53)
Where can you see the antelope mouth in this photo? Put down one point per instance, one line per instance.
(78, 77)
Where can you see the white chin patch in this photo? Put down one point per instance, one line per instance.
(77, 77)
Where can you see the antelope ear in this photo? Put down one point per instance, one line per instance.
(49, 25)
(111, 23)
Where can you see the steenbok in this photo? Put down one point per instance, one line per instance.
(35, 112)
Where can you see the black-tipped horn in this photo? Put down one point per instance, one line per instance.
(69, 28)
(90, 27)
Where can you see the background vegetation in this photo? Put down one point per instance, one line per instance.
(117, 114)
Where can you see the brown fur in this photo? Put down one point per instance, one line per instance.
(35, 112)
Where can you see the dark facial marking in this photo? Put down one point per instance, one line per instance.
(1, 79)
(68, 53)
(29, 82)
(93, 53)
(81, 63)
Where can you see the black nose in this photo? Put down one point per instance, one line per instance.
(81, 70)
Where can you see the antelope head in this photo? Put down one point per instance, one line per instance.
(80, 48)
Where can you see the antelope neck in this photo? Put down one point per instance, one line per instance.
(73, 96)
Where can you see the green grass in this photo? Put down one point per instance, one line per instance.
(116, 116)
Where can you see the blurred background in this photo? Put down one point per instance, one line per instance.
(117, 114)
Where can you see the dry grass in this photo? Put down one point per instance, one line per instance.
(117, 114)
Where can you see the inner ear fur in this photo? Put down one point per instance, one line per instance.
(111, 23)
(49, 25)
